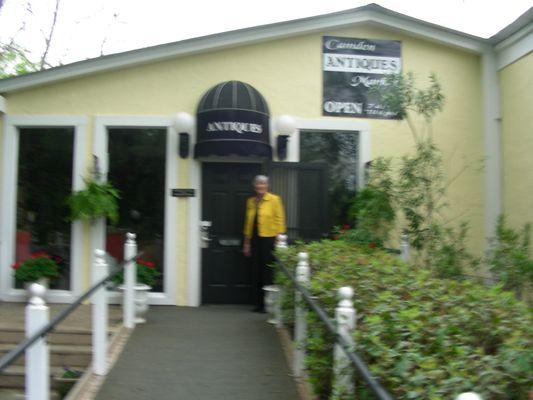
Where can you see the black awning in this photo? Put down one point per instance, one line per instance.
(233, 119)
(232, 147)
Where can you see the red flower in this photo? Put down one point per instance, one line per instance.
(15, 265)
(346, 226)
(148, 264)
(39, 254)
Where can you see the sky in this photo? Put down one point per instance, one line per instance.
(90, 28)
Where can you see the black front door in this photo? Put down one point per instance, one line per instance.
(226, 273)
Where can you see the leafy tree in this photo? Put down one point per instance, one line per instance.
(417, 188)
(14, 61)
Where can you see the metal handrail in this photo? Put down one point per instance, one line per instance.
(16, 352)
(344, 341)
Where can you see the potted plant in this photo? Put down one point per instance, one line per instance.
(98, 199)
(147, 275)
(40, 267)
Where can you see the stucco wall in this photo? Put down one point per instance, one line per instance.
(516, 86)
(288, 73)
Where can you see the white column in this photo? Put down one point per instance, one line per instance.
(38, 355)
(469, 396)
(300, 314)
(281, 244)
(343, 384)
(404, 247)
(491, 119)
(99, 314)
(130, 277)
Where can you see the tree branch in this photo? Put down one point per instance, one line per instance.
(48, 40)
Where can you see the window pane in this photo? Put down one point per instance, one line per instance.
(137, 168)
(339, 151)
(44, 183)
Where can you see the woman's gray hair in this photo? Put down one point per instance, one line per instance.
(260, 179)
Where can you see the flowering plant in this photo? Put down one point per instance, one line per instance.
(146, 273)
(39, 265)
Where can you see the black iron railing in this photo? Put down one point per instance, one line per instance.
(16, 352)
(344, 341)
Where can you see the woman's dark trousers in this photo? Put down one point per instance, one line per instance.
(262, 272)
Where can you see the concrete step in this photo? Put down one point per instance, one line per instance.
(18, 394)
(75, 336)
(71, 356)
(13, 377)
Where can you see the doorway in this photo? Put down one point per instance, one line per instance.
(226, 273)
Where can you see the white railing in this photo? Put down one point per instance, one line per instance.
(344, 325)
(38, 324)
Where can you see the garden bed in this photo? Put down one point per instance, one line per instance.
(423, 337)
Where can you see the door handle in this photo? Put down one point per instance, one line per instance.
(205, 226)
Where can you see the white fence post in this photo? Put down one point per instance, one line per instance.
(469, 396)
(300, 314)
(281, 243)
(404, 247)
(99, 314)
(130, 276)
(38, 355)
(343, 384)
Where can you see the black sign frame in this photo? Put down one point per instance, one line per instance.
(350, 66)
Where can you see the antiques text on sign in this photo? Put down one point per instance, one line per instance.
(350, 68)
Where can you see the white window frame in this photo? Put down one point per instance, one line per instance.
(12, 124)
(98, 230)
(324, 125)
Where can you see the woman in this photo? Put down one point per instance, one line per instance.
(265, 219)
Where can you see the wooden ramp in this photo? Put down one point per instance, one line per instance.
(206, 353)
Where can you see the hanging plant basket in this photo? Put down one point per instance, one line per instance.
(95, 201)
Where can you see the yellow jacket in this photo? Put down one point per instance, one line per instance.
(271, 218)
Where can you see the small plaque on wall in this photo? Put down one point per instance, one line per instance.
(183, 193)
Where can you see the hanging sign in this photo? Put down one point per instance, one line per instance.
(350, 68)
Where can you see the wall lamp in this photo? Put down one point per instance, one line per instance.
(183, 123)
(285, 126)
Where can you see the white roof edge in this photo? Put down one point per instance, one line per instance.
(371, 13)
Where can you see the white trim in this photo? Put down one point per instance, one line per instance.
(364, 157)
(514, 47)
(366, 14)
(491, 119)
(3, 105)
(8, 227)
(194, 275)
(101, 124)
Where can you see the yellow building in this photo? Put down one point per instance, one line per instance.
(126, 116)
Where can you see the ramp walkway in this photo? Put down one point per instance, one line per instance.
(205, 353)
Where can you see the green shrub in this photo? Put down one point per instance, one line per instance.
(39, 265)
(423, 337)
(147, 274)
(509, 258)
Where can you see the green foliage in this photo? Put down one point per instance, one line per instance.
(96, 200)
(372, 209)
(146, 274)
(450, 257)
(14, 61)
(509, 257)
(399, 95)
(419, 184)
(423, 337)
(40, 265)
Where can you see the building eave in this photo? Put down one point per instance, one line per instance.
(372, 13)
